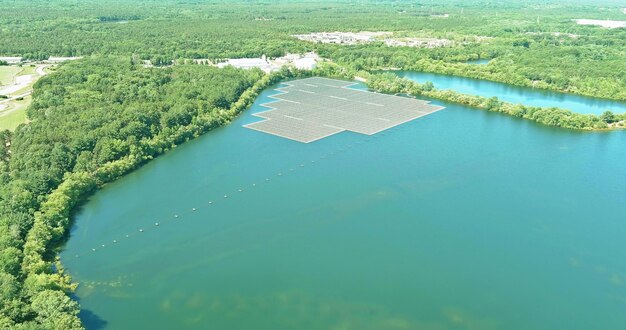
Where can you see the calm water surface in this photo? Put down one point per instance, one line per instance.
(459, 220)
(516, 94)
(479, 62)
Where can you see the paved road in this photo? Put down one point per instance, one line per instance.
(40, 69)
(16, 97)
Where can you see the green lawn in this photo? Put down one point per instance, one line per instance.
(27, 69)
(7, 73)
(14, 115)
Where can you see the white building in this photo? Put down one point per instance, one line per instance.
(54, 59)
(305, 63)
(603, 23)
(248, 63)
(11, 60)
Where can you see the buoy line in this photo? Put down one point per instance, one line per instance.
(179, 216)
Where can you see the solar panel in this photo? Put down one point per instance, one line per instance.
(314, 108)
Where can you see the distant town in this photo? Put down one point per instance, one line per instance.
(366, 37)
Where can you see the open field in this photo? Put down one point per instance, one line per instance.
(7, 73)
(17, 82)
(14, 114)
(28, 69)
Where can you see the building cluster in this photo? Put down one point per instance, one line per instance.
(419, 42)
(345, 38)
(307, 61)
(248, 63)
(365, 37)
(11, 60)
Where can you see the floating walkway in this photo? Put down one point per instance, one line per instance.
(314, 108)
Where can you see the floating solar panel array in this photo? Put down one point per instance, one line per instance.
(314, 108)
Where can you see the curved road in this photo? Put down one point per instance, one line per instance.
(40, 70)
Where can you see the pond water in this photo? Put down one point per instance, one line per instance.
(516, 94)
(462, 219)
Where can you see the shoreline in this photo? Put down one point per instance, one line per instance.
(482, 103)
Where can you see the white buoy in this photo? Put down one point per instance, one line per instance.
(254, 184)
(141, 230)
(102, 245)
(175, 215)
(93, 250)
(225, 196)
(127, 236)
(193, 209)
(156, 223)
(210, 202)
(240, 190)
(114, 241)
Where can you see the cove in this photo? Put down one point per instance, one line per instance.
(516, 94)
(479, 62)
(461, 219)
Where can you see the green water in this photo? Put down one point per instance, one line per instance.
(463, 219)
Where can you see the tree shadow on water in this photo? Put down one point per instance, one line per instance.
(91, 321)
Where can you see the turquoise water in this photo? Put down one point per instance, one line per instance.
(516, 94)
(463, 219)
(479, 62)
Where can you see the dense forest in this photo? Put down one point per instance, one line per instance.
(95, 119)
(532, 43)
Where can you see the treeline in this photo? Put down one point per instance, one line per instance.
(575, 65)
(92, 122)
(118, 18)
(534, 45)
(392, 84)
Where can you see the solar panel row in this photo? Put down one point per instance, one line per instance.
(314, 108)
